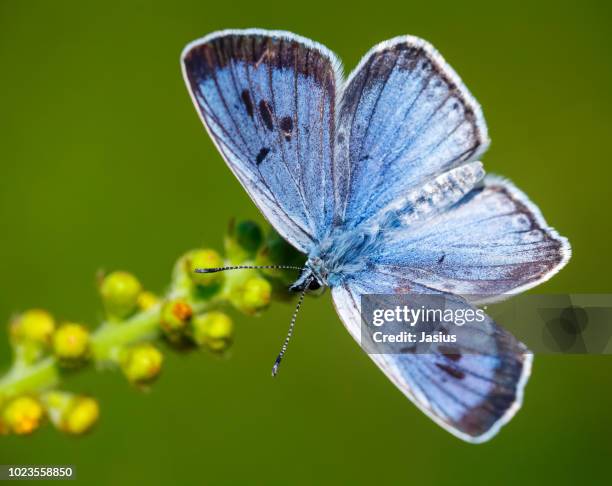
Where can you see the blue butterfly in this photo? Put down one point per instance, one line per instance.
(376, 179)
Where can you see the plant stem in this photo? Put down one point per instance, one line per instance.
(28, 378)
(110, 337)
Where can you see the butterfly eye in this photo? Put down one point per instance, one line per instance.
(314, 285)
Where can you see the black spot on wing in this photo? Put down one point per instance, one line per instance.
(453, 372)
(450, 352)
(248, 103)
(441, 259)
(266, 114)
(262, 155)
(286, 125)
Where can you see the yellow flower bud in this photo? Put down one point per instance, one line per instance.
(71, 342)
(73, 414)
(175, 315)
(146, 300)
(120, 292)
(81, 416)
(253, 296)
(34, 326)
(205, 259)
(22, 415)
(213, 330)
(142, 363)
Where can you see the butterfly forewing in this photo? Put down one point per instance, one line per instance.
(268, 101)
(404, 117)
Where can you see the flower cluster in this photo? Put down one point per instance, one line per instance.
(192, 315)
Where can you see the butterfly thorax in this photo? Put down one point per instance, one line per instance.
(341, 253)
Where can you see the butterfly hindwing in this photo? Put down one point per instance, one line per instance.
(404, 117)
(492, 243)
(268, 101)
(471, 388)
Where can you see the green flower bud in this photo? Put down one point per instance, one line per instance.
(249, 235)
(175, 316)
(252, 296)
(277, 251)
(142, 363)
(120, 292)
(146, 300)
(71, 342)
(205, 259)
(242, 241)
(35, 326)
(213, 330)
(22, 415)
(72, 414)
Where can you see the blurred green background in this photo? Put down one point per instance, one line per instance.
(106, 165)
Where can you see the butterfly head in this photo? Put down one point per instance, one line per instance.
(312, 278)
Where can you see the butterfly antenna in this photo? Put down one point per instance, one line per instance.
(247, 267)
(289, 334)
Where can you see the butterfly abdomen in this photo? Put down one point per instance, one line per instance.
(433, 197)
